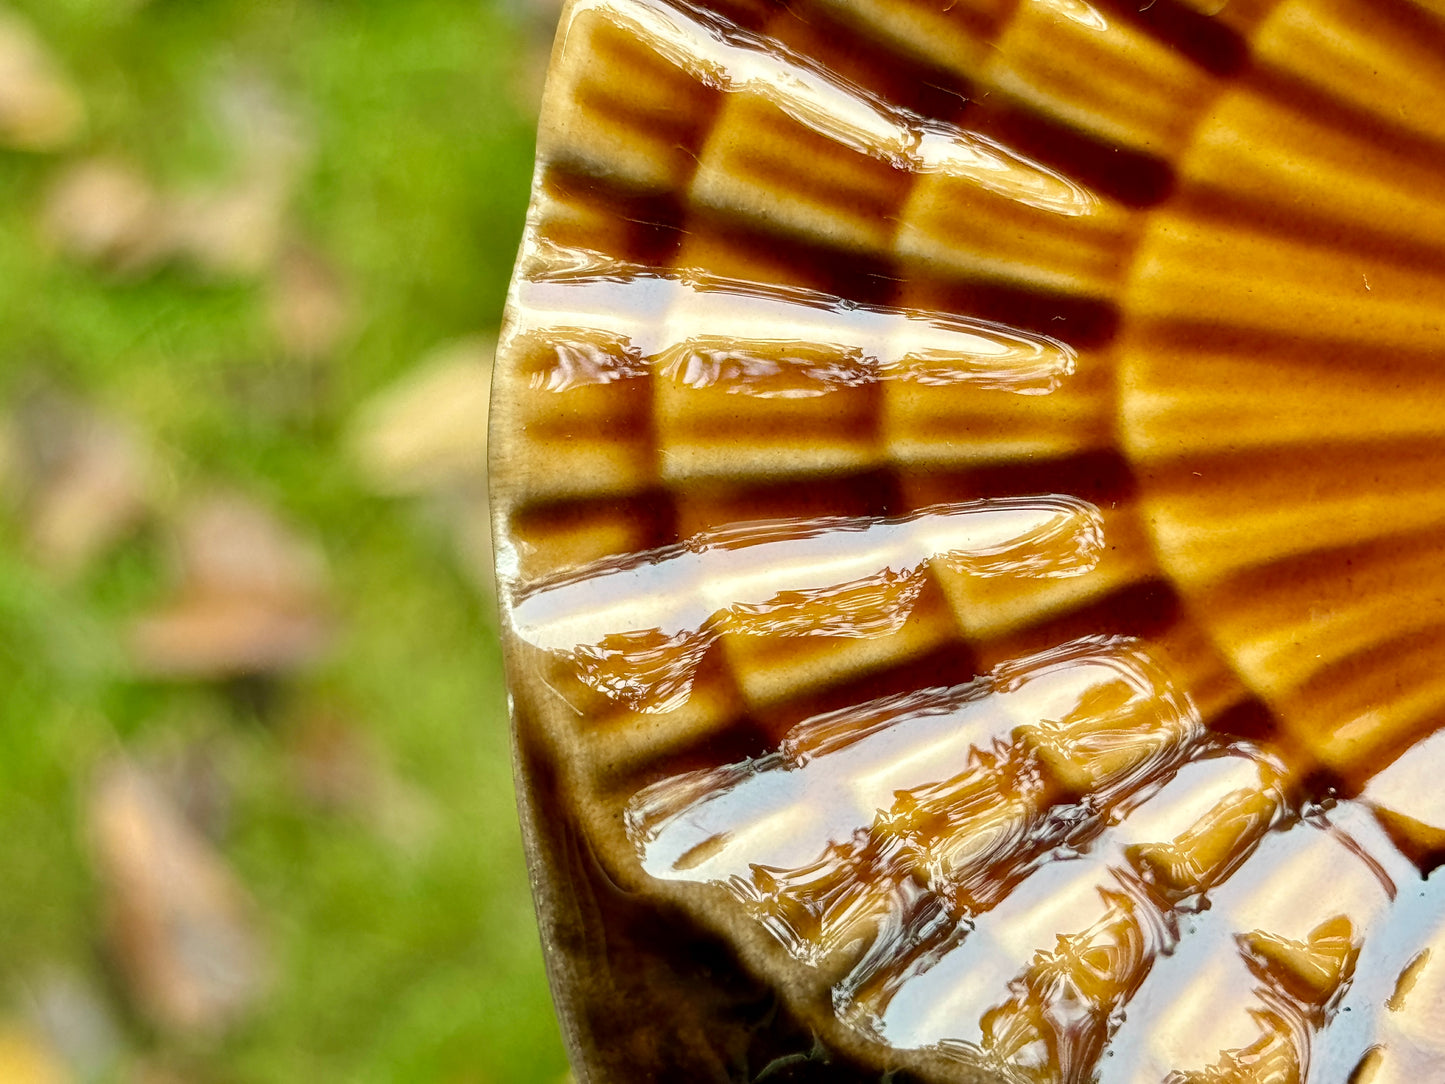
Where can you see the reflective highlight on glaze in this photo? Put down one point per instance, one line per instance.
(636, 628)
(600, 321)
(958, 832)
(939, 831)
(733, 60)
(1129, 783)
(961, 792)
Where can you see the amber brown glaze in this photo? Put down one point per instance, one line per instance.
(967, 486)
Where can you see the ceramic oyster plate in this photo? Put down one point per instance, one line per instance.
(967, 489)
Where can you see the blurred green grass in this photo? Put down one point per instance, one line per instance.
(391, 964)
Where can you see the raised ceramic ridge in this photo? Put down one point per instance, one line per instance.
(966, 490)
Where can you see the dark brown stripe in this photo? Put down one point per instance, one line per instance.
(1296, 222)
(651, 511)
(946, 666)
(1310, 471)
(1129, 176)
(1311, 354)
(1103, 477)
(1082, 322)
(1202, 38)
(709, 505)
(660, 221)
(858, 55)
(1323, 107)
(797, 162)
(804, 261)
(654, 222)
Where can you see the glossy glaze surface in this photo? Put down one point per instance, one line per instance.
(966, 484)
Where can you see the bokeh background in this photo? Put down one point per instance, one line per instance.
(256, 813)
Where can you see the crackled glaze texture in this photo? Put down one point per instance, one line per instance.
(969, 487)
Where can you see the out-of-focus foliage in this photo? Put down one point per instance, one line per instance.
(254, 774)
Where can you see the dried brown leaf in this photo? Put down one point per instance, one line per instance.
(180, 927)
(218, 637)
(236, 228)
(230, 232)
(250, 598)
(233, 545)
(104, 212)
(80, 478)
(309, 306)
(107, 213)
(429, 431)
(89, 486)
(40, 109)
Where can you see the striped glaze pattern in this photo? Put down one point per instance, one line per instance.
(965, 482)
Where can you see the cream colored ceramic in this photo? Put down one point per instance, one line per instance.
(969, 487)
